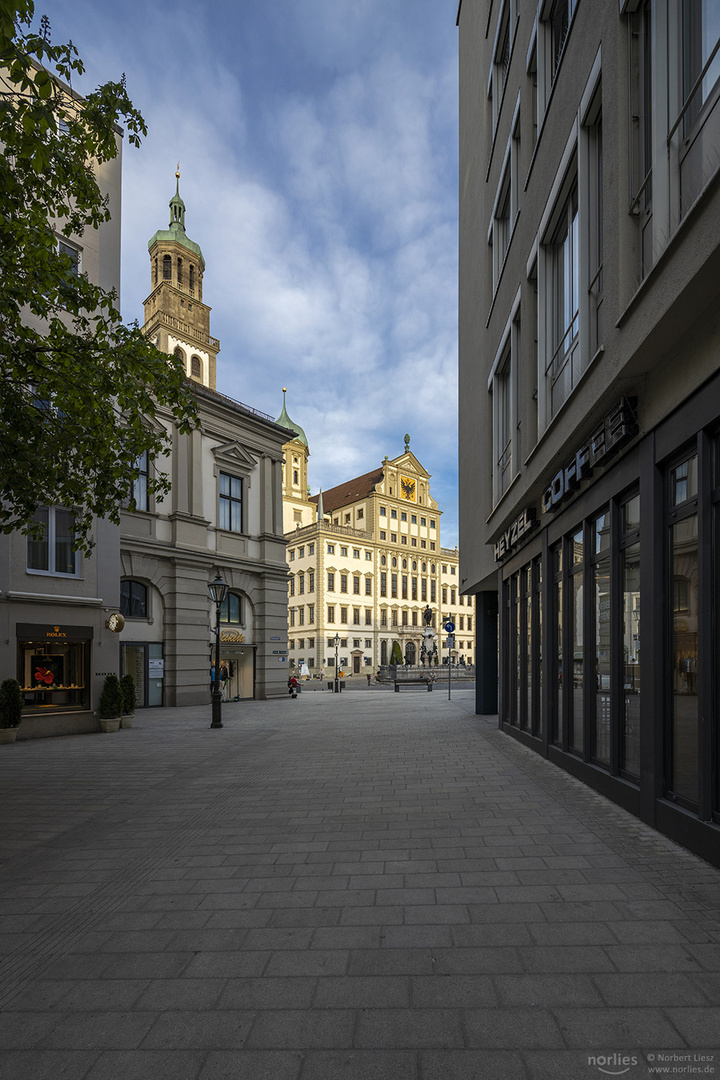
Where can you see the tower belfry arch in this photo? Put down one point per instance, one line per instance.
(177, 320)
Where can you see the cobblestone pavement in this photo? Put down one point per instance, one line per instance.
(368, 886)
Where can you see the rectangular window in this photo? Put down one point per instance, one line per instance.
(394, 620)
(700, 58)
(577, 641)
(343, 583)
(503, 407)
(383, 583)
(684, 621)
(139, 498)
(641, 129)
(501, 60)
(603, 640)
(231, 503)
(331, 613)
(593, 135)
(356, 586)
(331, 581)
(558, 647)
(368, 586)
(563, 368)
(311, 581)
(501, 225)
(368, 617)
(53, 552)
(343, 614)
(394, 585)
(311, 614)
(356, 616)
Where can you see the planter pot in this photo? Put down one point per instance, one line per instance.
(126, 721)
(110, 725)
(7, 734)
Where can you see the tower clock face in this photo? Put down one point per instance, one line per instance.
(408, 488)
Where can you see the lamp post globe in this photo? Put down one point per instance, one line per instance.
(217, 591)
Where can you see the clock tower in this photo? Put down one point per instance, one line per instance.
(176, 319)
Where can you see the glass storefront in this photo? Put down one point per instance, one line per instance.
(682, 772)
(628, 705)
(54, 667)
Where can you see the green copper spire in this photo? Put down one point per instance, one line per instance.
(176, 229)
(284, 421)
(177, 206)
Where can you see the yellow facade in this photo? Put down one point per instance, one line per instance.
(365, 562)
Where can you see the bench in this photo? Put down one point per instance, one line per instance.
(412, 684)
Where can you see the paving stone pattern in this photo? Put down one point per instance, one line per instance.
(343, 887)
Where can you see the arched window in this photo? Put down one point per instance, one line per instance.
(195, 367)
(180, 355)
(133, 600)
(167, 268)
(192, 279)
(179, 271)
(231, 609)
(155, 272)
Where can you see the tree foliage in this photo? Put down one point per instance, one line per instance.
(78, 388)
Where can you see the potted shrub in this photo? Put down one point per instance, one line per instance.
(110, 705)
(11, 707)
(127, 686)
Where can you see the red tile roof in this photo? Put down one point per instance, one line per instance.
(349, 492)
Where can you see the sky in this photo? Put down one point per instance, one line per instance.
(317, 142)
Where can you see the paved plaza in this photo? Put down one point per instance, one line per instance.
(366, 886)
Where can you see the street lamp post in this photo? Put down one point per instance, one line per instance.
(337, 644)
(218, 591)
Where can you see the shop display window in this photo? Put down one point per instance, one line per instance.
(54, 676)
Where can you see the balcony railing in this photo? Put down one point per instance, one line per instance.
(182, 327)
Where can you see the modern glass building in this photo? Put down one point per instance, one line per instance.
(590, 391)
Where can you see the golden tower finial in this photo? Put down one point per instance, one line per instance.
(177, 170)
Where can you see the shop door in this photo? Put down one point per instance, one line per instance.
(156, 675)
(356, 665)
(145, 663)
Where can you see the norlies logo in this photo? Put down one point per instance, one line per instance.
(613, 1064)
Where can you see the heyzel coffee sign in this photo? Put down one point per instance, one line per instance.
(514, 534)
(617, 429)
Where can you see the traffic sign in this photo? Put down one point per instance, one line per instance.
(450, 626)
